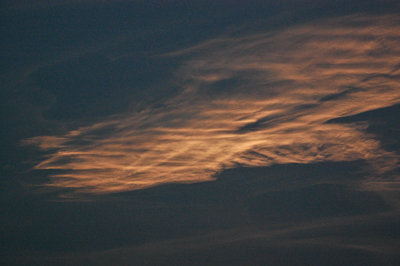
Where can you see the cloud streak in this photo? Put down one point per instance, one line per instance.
(316, 238)
(252, 101)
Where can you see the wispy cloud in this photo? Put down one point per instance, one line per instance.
(254, 101)
(316, 238)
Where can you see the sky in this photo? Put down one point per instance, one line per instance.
(200, 132)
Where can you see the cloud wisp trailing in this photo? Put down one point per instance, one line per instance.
(253, 101)
(319, 237)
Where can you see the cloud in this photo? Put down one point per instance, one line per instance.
(315, 239)
(252, 101)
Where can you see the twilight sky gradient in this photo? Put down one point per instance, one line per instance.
(200, 133)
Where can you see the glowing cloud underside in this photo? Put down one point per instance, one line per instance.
(253, 101)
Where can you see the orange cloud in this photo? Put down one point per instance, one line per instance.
(255, 101)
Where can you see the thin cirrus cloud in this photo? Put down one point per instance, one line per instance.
(252, 101)
(315, 236)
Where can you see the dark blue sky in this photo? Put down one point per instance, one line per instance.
(200, 133)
